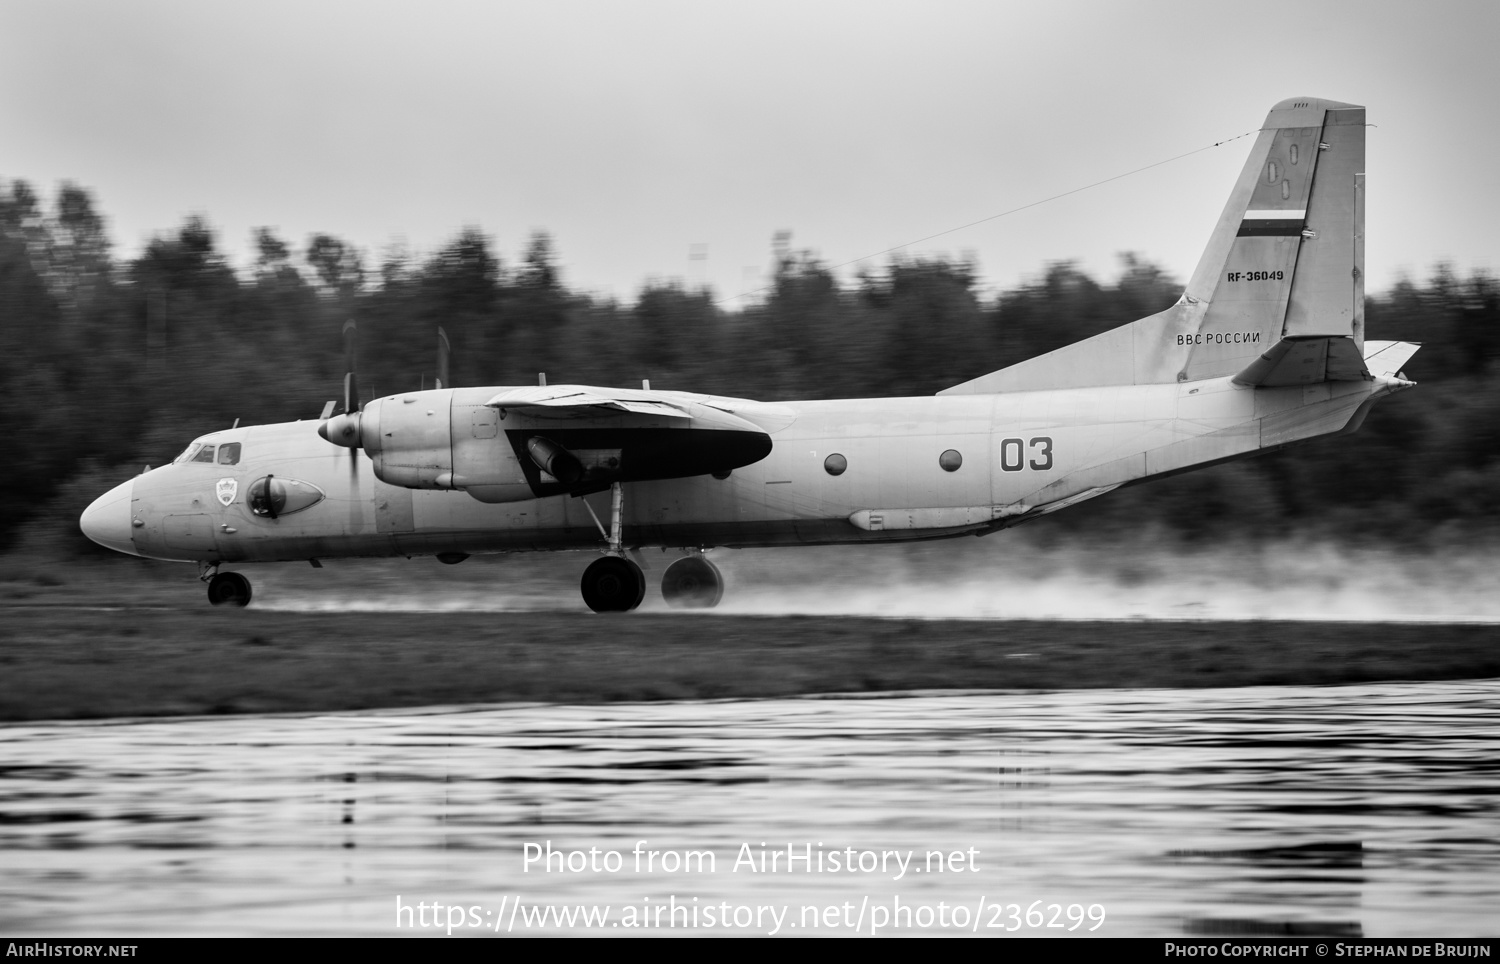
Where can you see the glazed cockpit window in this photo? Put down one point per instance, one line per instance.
(187, 453)
(205, 454)
(229, 453)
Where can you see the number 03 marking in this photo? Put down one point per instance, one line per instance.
(1013, 454)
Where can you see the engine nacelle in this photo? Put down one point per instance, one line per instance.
(443, 439)
(453, 439)
(409, 439)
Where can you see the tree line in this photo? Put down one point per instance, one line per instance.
(107, 365)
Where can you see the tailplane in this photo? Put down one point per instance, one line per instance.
(1305, 360)
(1283, 274)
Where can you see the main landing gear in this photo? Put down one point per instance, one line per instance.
(615, 584)
(225, 588)
(692, 583)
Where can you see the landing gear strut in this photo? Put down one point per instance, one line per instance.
(229, 589)
(692, 583)
(613, 584)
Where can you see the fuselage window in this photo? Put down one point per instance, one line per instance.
(205, 454)
(835, 464)
(229, 454)
(950, 460)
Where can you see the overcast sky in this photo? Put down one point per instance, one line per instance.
(637, 133)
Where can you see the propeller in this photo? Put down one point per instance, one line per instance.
(443, 352)
(344, 429)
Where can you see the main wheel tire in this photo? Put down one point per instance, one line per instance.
(229, 589)
(613, 585)
(692, 583)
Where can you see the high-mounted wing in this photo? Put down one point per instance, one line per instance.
(579, 401)
(578, 438)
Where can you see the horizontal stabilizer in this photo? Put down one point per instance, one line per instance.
(1388, 357)
(1305, 361)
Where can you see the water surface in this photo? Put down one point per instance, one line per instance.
(1357, 810)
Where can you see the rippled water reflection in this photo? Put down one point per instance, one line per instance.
(1342, 810)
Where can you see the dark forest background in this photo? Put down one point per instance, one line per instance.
(107, 366)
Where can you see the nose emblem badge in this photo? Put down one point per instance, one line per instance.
(226, 490)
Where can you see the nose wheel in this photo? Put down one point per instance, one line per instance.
(692, 583)
(229, 589)
(613, 585)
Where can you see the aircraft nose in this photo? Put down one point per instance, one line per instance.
(107, 519)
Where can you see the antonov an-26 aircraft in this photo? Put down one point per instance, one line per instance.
(1264, 348)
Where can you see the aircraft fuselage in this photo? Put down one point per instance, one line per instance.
(907, 468)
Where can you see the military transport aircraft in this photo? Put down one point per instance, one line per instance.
(1265, 347)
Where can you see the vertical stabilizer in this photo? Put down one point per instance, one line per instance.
(1285, 259)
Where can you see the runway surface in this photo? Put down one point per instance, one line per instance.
(1351, 810)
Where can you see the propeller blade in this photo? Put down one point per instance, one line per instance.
(351, 379)
(344, 429)
(443, 351)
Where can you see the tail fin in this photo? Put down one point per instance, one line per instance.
(1286, 260)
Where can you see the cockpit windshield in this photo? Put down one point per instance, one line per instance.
(226, 454)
